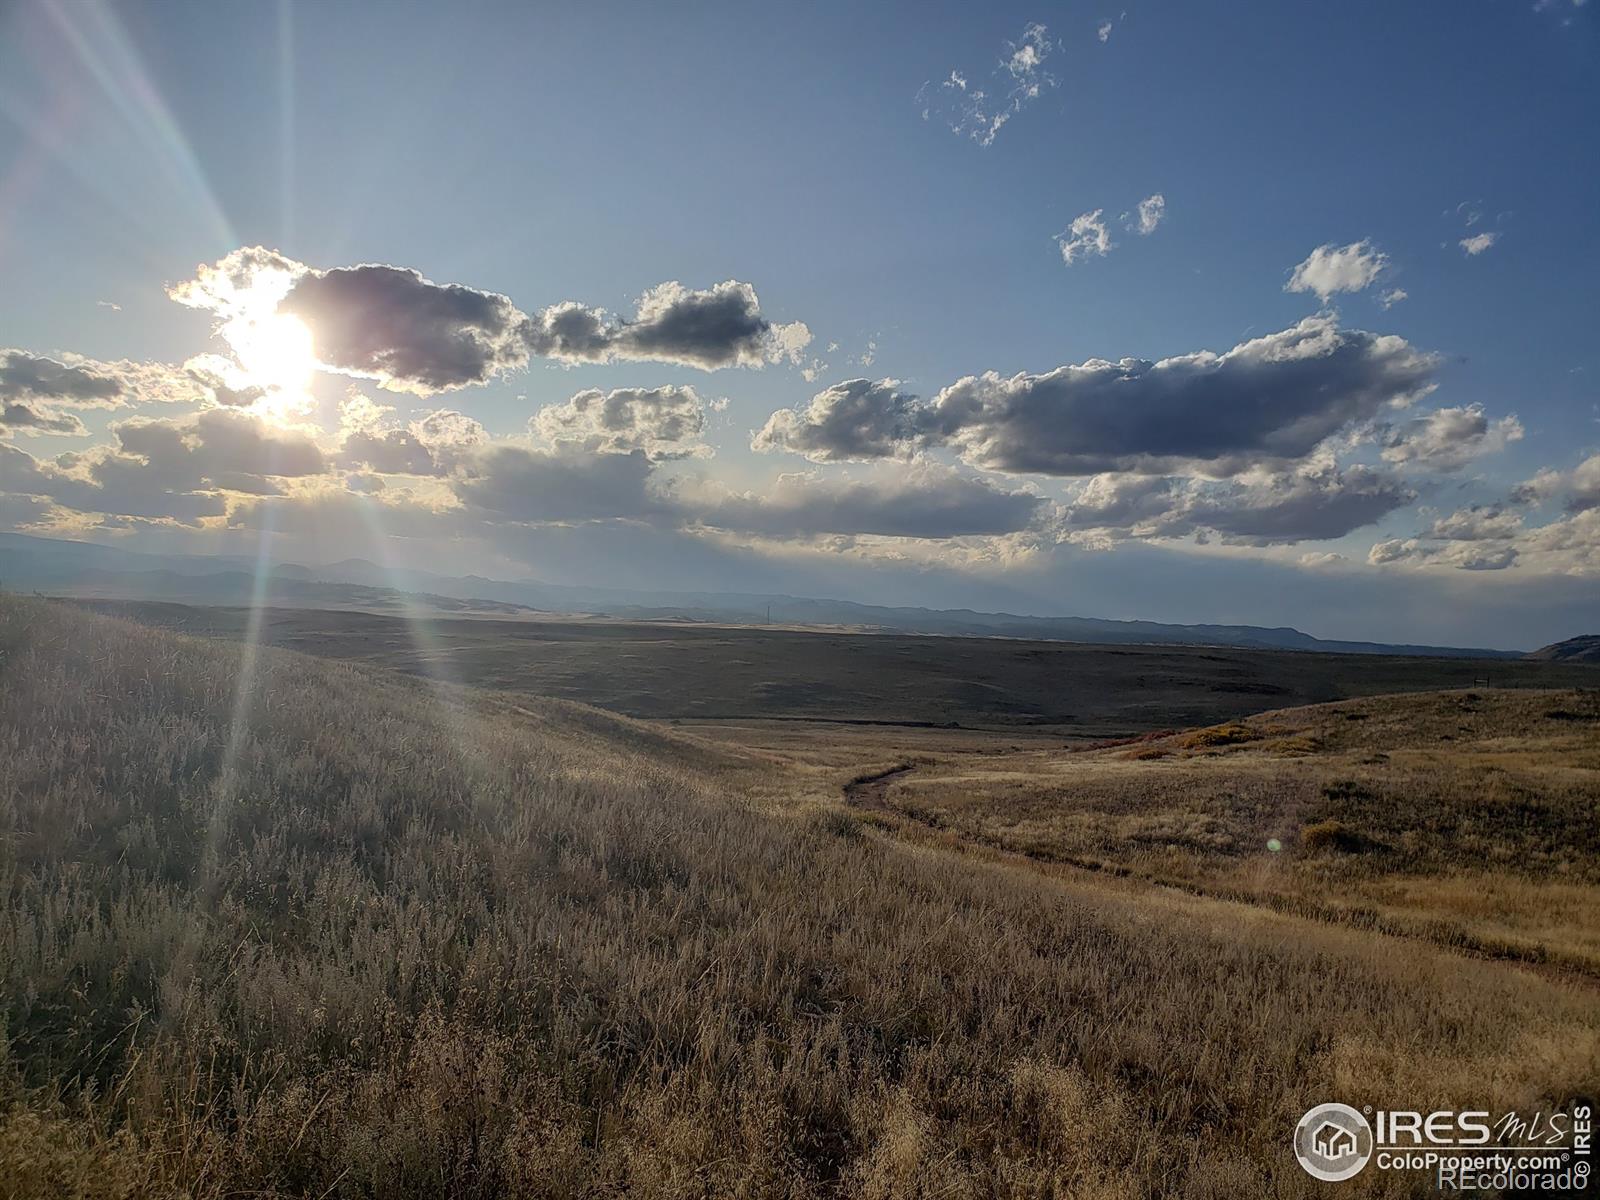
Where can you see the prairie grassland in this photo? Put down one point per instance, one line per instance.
(1467, 818)
(309, 928)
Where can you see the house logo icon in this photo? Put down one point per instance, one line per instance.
(1333, 1142)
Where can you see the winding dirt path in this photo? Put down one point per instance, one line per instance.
(870, 790)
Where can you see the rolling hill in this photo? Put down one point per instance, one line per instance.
(1584, 649)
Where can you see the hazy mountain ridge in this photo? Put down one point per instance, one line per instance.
(30, 563)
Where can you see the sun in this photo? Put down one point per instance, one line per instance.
(275, 351)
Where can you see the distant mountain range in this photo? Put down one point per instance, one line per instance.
(1584, 649)
(55, 566)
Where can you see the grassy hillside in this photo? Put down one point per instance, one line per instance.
(1584, 649)
(1471, 818)
(691, 672)
(362, 935)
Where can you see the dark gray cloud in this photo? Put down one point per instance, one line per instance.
(567, 483)
(23, 512)
(22, 472)
(33, 377)
(664, 422)
(169, 470)
(720, 326)
(25, 417)
(924, 502)
(115, 485)
(411, 334)
(1297, 507)
(220, 442)
(1268, 401)
(48, 385)
(1315, 503)
(391, 324)
(432, 445)
(857, 419)
(388, 452)
(35, 392)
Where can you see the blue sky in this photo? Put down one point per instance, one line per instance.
(591, 153)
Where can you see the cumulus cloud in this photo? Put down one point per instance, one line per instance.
(979, 112)
(171, 470)
(432, 445)
(21, 416)
(1314, 503)
(1496, 537)
(1270, 400)
(85, 384)
(664, 422)
(1577, 489)
(217, 446)
(1463, 556)
(391, 451)
(1151, 211)
(925, 501)
(1476, 523)
(450, 432)
(721, 326)
(1330, 269)
(1086, 237)
(37, 392)
(409, 334)
(1478, 243)
(1449, 438)
(1392, 297)
(564, 483)
(856, 419)
(1585, 486)
(1103, 32)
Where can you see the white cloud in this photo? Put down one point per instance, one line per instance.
(1478, 243)
(1392, 297)
(1151, 212)
(664, 422)
(1103, 30)
(979, 114)
(1449, 438)
(1087, 236)
(1330, 269)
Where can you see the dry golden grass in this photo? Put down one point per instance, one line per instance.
(1465, 818)
(368, 937)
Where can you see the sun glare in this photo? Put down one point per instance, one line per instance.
(275, 351)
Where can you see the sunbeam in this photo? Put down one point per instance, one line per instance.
(102, 47)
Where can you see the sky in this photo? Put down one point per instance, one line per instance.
(1270, 314)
